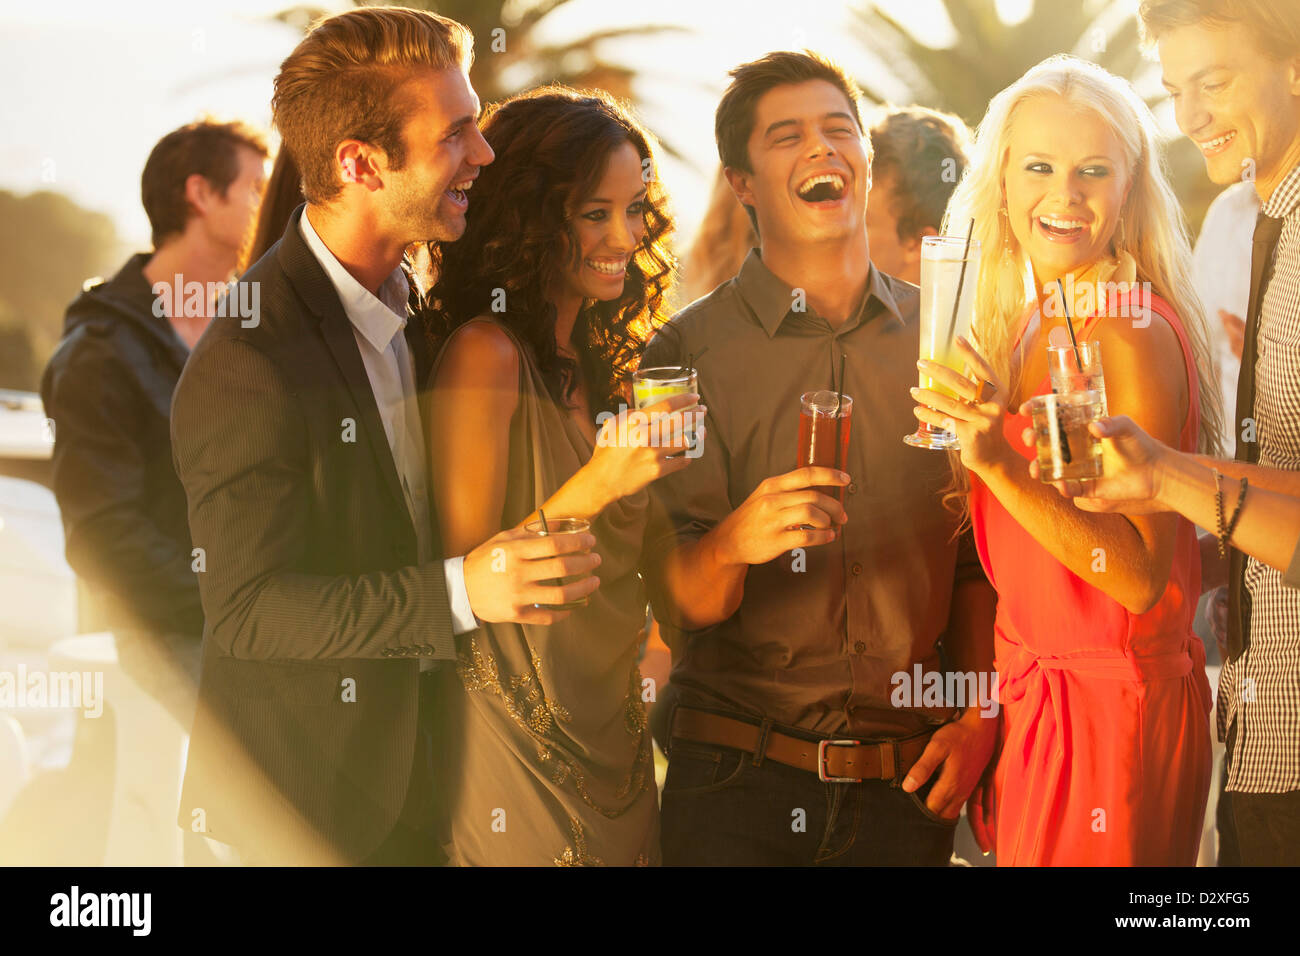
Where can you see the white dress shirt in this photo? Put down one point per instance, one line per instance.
(378, 325)
(1221, 274)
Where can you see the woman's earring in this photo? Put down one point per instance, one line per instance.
(1006, 231)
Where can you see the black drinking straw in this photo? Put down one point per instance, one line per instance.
(1069, 326)
(839, 397)
(839, 401)
(545, 529)
(690, 359)
(961, 280)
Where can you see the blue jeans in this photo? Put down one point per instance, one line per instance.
(719, 809)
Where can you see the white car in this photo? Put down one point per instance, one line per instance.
(38, 591)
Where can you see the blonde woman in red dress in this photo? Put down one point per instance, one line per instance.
(1105, 740)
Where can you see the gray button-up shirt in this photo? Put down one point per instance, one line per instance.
(816, 639)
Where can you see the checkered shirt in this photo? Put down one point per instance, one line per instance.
(1261, 688)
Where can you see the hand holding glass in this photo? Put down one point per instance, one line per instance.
(651, 385)
(946, 267)
(560, 526)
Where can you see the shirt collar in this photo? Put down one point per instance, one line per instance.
(770, 299)
(378, 319)
(1285, 198)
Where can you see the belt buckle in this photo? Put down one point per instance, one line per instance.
(821, 760)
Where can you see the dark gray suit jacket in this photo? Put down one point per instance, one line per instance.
(316, 609)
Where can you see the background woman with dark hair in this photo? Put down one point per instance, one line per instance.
(540, 312)
(282, 196)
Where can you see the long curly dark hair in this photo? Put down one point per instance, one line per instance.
(552, 146)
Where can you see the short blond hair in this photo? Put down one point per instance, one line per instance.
(341, 82)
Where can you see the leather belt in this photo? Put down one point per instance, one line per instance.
(834, 760)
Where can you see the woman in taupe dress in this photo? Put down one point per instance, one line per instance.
(539, 315)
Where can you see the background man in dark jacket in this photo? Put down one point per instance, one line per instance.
(108, 389)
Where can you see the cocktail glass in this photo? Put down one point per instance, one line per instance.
(560, 526)
(947, 266)
(1066, 448)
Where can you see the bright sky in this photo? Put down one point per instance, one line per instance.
(92, 86)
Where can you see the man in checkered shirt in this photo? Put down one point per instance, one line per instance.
(1232, 68)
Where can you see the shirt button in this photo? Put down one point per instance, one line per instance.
(857, 568)
(853, 487)
(860, 648)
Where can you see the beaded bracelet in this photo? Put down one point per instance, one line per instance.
(1218, 510)
(1236, 514)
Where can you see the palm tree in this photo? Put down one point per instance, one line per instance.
(510, 54)
(989, 55)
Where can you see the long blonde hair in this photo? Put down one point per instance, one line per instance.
(1153, 230)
